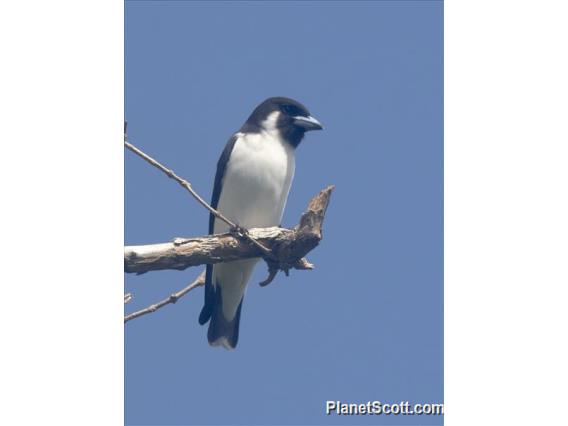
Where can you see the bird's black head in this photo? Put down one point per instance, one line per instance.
(286, 116)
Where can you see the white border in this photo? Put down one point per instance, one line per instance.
(62, 213)
(506, 212)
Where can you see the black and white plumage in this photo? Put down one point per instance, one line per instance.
(251, 187)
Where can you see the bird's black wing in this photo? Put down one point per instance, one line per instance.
(218, 185)
(221, 168)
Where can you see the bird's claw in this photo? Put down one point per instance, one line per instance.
(238, 231)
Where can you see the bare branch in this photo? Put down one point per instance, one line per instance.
(288, 246)
(183, 253)
(185, 184)
(199, 281)
(127, 298)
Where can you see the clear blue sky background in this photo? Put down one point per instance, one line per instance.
(367, 323)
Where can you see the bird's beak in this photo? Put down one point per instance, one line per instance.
(307, 123)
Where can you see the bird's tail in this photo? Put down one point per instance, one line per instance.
(223, 332)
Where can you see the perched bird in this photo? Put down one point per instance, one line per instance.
(251, 187)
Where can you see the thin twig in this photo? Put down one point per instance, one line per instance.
(170, 173)
(127, 298)
(173, 298)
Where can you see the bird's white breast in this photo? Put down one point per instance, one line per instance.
(257, 181)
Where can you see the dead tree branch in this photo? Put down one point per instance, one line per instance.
(288, 246)
(199, 281)
(185, 184)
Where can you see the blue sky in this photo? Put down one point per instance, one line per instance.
(367, 323)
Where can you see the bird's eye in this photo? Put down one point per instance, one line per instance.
(288, 109)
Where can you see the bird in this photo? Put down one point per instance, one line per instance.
(252, 182)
